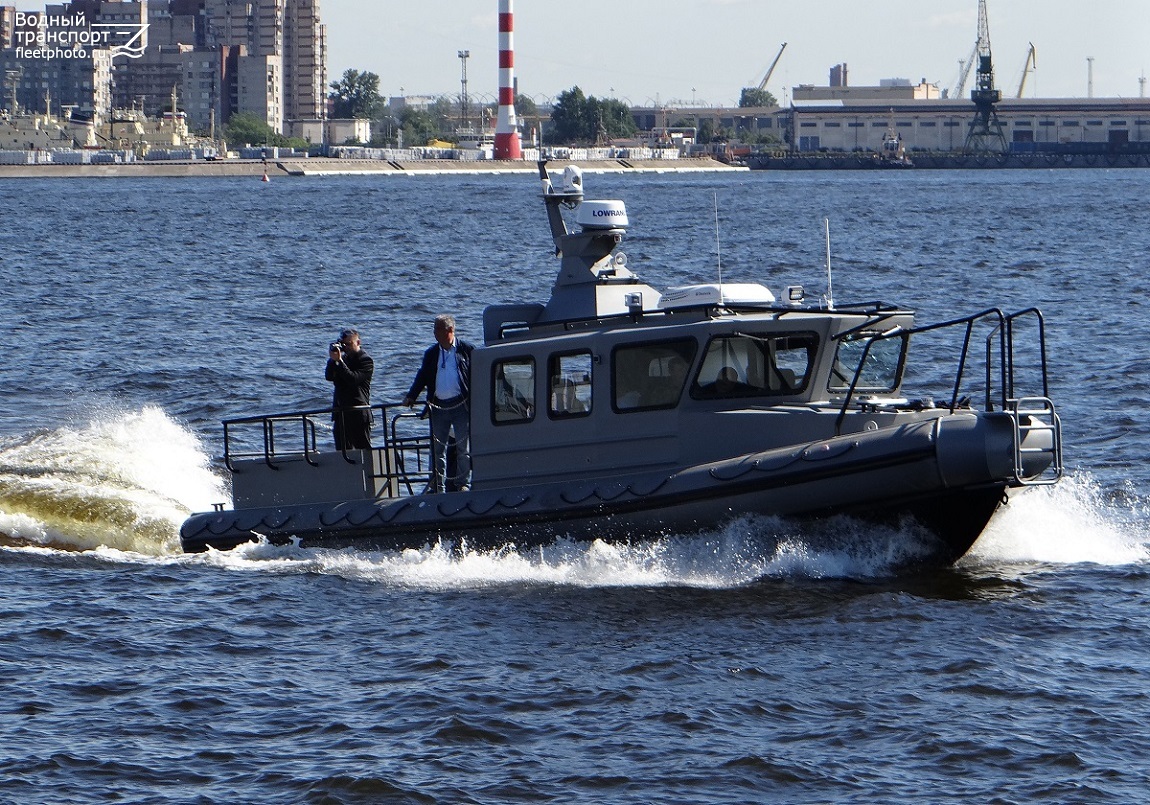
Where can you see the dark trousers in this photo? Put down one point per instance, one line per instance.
(445, 422)
(352, 429)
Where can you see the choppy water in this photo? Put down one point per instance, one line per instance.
(698, 669)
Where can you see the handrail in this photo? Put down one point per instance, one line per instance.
(267, 422)
(391, 457)
(1029, 414)
(882, 310)
(969, 323)
(401, 446)
(309, 429)
(269, 444)
(1040, 418)
(1041, 346)
(1006, 340)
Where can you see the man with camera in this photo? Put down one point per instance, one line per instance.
(350, 369)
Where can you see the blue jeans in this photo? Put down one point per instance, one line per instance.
(443, 421)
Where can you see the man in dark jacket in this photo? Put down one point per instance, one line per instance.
(350, 369)
(446, 374)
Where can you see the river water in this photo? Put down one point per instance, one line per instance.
(139, 313)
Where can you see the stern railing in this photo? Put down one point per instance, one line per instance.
(400, 455)
(1037, 426)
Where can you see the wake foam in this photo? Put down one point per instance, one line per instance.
(679, 561)
(125, 480)
(1071, 523)
(746, 551)
(1074, 522)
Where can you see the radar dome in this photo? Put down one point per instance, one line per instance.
(602, 215)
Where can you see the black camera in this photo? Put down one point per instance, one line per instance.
(336, 345)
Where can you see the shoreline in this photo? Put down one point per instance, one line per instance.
(323, 166)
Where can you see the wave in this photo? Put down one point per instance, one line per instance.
(124, 480)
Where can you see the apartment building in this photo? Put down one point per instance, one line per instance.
(266, 57)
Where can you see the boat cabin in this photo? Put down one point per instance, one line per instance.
(673, 386)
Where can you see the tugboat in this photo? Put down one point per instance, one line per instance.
(893, 153)
(615, 411)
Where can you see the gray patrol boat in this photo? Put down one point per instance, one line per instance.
(619, 412)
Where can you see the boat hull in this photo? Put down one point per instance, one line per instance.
(936, 472)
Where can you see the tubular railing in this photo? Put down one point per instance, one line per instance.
(1008, 345)
(967, 322)
(1037, 428)
(401, 461)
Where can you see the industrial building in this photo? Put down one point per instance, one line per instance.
(861, 122)
(942, 125)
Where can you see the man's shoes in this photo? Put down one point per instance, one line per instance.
(465, 488)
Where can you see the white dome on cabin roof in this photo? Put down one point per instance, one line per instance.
(712, 293)
(601, 215)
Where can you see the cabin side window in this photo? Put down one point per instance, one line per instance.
(749, 365)
(569, 394)
(882, 371)
(651, 376)
(513, 391)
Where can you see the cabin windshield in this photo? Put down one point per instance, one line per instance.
(882, 371)
(750, 365)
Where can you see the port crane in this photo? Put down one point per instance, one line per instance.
(771, 69)
(985, 134)
(758, 96)
(1028, 67)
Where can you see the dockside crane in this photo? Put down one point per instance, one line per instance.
(771, 69)
(1028, 67)
(985, 134)
(758, 96)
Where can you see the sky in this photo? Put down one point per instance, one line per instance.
(702, 52)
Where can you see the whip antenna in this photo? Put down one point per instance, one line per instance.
(718, 252)
(830, 284)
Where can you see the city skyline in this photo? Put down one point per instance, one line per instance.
(211, 58)
(702, 52)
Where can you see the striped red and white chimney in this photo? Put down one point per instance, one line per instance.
(506, 126)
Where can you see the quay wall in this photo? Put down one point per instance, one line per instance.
(948, 161)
